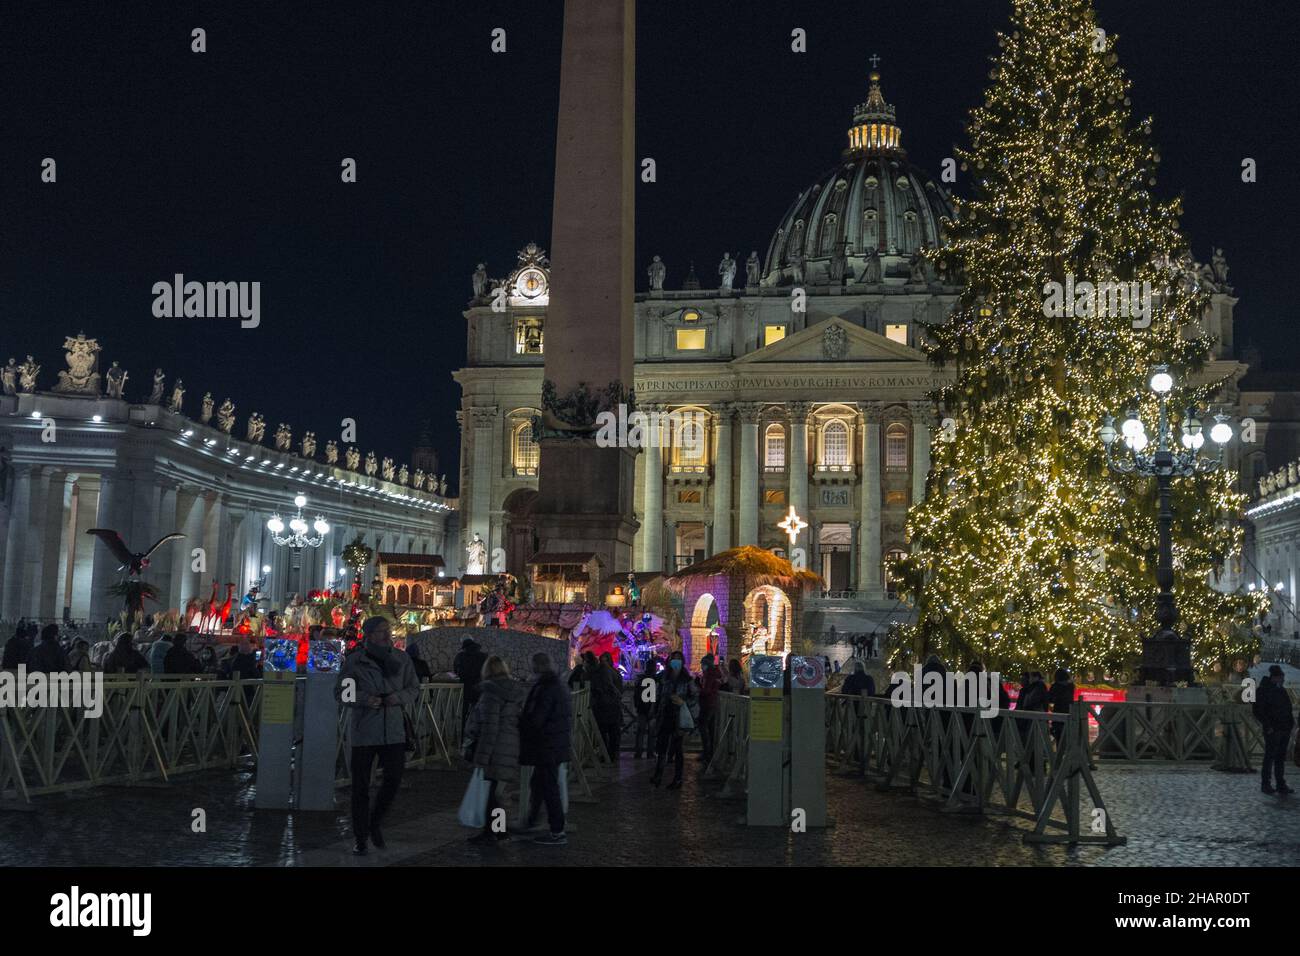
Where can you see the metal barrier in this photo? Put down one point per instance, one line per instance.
(975, 763)
(731, 751)
(1225, 734)
(155, 727)
(435, 721)
(148, 730)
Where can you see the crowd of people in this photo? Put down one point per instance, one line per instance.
(146, 650)
(509, 724)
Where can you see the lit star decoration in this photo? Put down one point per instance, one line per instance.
(792, 524)
(1019, 502)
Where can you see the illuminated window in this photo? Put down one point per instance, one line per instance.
(773, 334)
(528, 336)
(691, 315)
(691, 340)
(896, 332)
(526, 452)
(688, 497)
(689, 442)
(835, 444)
(774, 496)
(896, 447)
(774, 448)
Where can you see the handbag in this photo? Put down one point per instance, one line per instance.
(473, 806)
(685, 720)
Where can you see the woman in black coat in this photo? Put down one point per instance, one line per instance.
(1061, 697)
(676, 690)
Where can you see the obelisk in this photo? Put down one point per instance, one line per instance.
(585, 502)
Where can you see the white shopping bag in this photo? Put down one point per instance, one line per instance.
(473, 807)
(564, 786)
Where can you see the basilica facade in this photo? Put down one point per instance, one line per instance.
(804, 362)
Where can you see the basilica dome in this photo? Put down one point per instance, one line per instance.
(874, 201)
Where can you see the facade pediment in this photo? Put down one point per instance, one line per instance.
(833, 340)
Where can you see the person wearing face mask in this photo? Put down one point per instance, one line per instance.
(677, 693)
(375, 683)
(545, 738)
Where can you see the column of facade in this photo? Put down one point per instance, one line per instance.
(869, 567)
(19, 522)
(797, 466)
(922, 414)
(749, 507)
(722, 479)
(652, 527)
(855, 536)
(483, 420)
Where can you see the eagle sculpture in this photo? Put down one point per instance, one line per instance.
(136, 562)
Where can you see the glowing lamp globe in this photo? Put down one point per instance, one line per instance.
(298, 526)
(1221, 433)
(1162, 382)
(321, 525)
(300, 501)
(275, 525)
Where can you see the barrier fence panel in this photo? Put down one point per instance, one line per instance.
(976, 763)
(148, 729)
(436, 725)
(730, 761)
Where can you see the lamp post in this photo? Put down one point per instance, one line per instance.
(299, 536)
(1166, 656)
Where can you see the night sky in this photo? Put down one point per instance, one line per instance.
(225, 166)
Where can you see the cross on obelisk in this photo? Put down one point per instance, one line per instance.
(875, 60)
(585, 492)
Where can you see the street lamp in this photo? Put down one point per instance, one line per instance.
(299, 536)
(1166, 657)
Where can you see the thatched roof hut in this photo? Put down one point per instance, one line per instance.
(756, 565)
(745, 600)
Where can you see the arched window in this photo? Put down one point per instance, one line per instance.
(417, 594)
(835, 444)
(526, 452)
(390, 595)
(896, 447)
(403, 594)
(774, 448)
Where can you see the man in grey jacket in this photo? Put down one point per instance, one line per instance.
(376, 682)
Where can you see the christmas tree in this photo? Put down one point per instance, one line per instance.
(1027, 550)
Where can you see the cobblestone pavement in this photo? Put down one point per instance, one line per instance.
(1171, 816)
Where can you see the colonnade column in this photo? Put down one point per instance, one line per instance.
(750, 414)
(869, 572)
(19, 521)
(722, 478)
